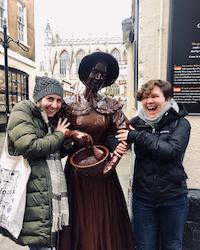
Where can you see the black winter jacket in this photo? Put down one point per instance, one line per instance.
(158, 169)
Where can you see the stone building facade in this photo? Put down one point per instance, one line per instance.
(62, 57)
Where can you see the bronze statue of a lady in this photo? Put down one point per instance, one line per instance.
(99, 218)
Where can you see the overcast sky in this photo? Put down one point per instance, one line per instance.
(80, 17)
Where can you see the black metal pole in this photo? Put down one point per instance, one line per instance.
(136, 37)
(5, 45)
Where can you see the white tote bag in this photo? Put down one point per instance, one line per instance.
(14, 175)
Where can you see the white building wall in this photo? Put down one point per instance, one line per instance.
(153, 39)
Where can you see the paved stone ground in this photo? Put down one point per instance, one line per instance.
(191, 163)
(192, 156)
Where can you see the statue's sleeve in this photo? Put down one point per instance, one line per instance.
(119, 121)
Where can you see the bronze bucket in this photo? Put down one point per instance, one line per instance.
(85, 162)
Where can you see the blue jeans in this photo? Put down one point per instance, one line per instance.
(159, 225)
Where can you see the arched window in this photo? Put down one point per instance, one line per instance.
(117, 55)
(125, 57)
(79, 57)
(64, 63)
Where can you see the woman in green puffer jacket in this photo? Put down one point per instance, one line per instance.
(30, 135)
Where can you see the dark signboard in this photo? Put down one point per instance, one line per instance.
(184, 53)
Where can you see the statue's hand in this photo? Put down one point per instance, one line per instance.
(81, 137)
(111, 164)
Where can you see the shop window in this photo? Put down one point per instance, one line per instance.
(18, 90)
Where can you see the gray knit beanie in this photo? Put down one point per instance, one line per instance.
(46, 86)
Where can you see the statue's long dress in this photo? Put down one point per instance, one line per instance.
(99, 218)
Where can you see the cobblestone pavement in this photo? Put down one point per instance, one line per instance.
(191, 163)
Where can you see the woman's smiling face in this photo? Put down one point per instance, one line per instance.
(154, 102)
(51, 104)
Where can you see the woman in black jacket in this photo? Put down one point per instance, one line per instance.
(160, 134)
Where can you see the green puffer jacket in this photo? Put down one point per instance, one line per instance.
(27, 136)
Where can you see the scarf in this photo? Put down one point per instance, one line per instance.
(153, 122)
(60, 207)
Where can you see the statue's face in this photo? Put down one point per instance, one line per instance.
(97, 76)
